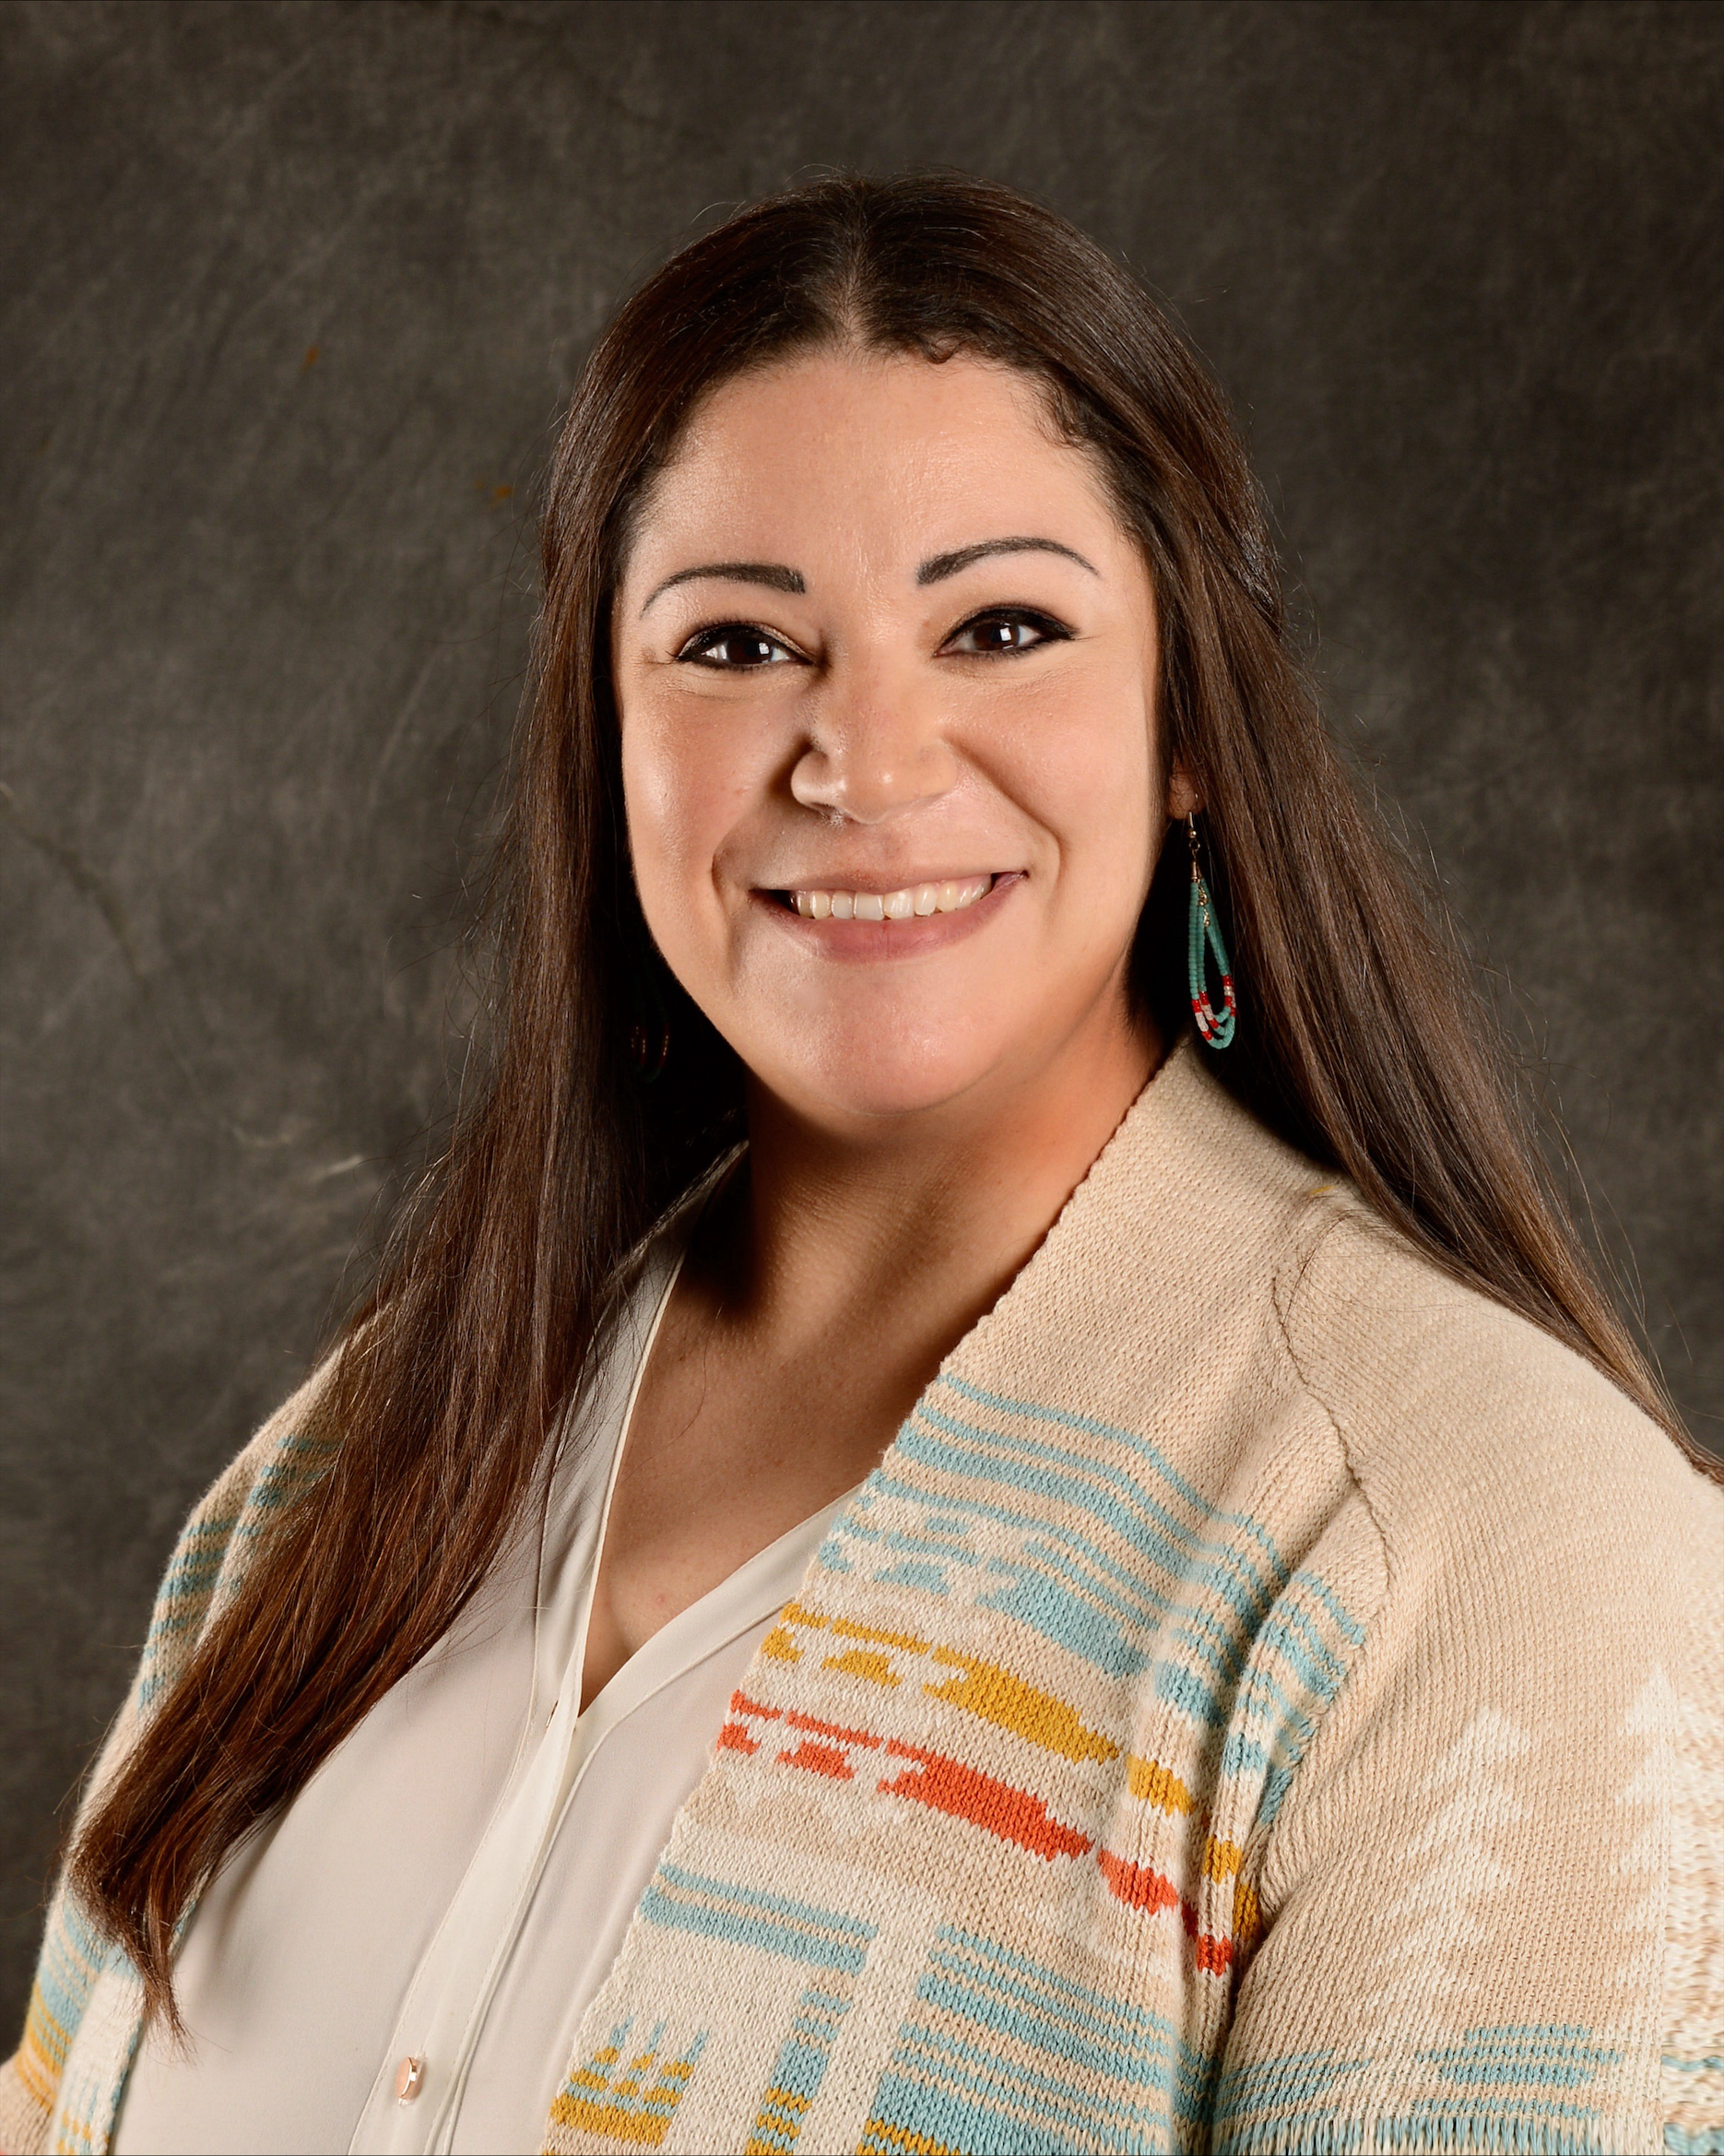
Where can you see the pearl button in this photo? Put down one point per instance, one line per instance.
(409, 2080)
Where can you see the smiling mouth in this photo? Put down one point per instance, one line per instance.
(912, 902)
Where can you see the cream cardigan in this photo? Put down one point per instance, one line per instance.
(1267, 1697)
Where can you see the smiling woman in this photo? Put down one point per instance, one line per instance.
(909, 1554)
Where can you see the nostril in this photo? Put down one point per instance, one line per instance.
(843, 778)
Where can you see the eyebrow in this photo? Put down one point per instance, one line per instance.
(943, 565)
(773, 574)
(776, 576)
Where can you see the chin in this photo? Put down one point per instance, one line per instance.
(866, 1072)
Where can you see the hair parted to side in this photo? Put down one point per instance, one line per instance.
(1360, 1039)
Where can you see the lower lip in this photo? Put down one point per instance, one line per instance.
(867, 942)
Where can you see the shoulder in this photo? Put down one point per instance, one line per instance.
(1487, 1450)
(1478, 1445)
(209, 1559)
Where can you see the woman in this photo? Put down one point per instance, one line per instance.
(1267, 1693)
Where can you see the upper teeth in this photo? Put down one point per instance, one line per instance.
(892, 906)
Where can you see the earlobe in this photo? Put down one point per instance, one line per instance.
(1183, 799)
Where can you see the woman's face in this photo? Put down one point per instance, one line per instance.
(886, 662)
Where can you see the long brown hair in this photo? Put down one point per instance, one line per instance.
(1360, 1039)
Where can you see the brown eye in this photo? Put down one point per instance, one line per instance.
(1006, 632)
(734, 646)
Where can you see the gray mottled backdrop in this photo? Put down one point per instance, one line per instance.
(292, 296)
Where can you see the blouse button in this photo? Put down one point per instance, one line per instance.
(409, 2080)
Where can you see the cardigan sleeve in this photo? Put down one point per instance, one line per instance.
(1493, 1900)
(206, 1567)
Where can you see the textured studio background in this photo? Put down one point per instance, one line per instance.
(290, 297)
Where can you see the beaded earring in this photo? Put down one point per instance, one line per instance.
(1216, 1026)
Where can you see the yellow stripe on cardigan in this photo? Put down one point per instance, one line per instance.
(984, 1689)
(641, 2129)
(881, 2138)
(866, 1662)
(780, 2117)
(997, 1696)
(994, 1695)
(37, 2067)
(1222, 1859)
(1158, 1785)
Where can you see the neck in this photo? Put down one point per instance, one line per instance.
(905, 1233)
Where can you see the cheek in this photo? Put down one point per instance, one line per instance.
(690, 784)
(674, 790)
(1087, 775)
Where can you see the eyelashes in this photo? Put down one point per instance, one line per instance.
(736, 647)
(1004, 631)
(1001, 632)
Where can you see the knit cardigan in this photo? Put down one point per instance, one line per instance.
(1267, 1697)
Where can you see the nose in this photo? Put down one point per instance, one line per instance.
(875, 749)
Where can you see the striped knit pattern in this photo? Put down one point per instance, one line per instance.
(1266, 1699)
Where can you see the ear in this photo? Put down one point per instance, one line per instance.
(1182, 794)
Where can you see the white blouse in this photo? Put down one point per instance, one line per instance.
(438, 1906)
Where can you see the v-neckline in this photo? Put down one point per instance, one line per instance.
(744, 1597)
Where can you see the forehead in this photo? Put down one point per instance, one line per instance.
(870, 454)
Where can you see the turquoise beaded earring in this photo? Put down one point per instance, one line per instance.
(1216, 1026)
